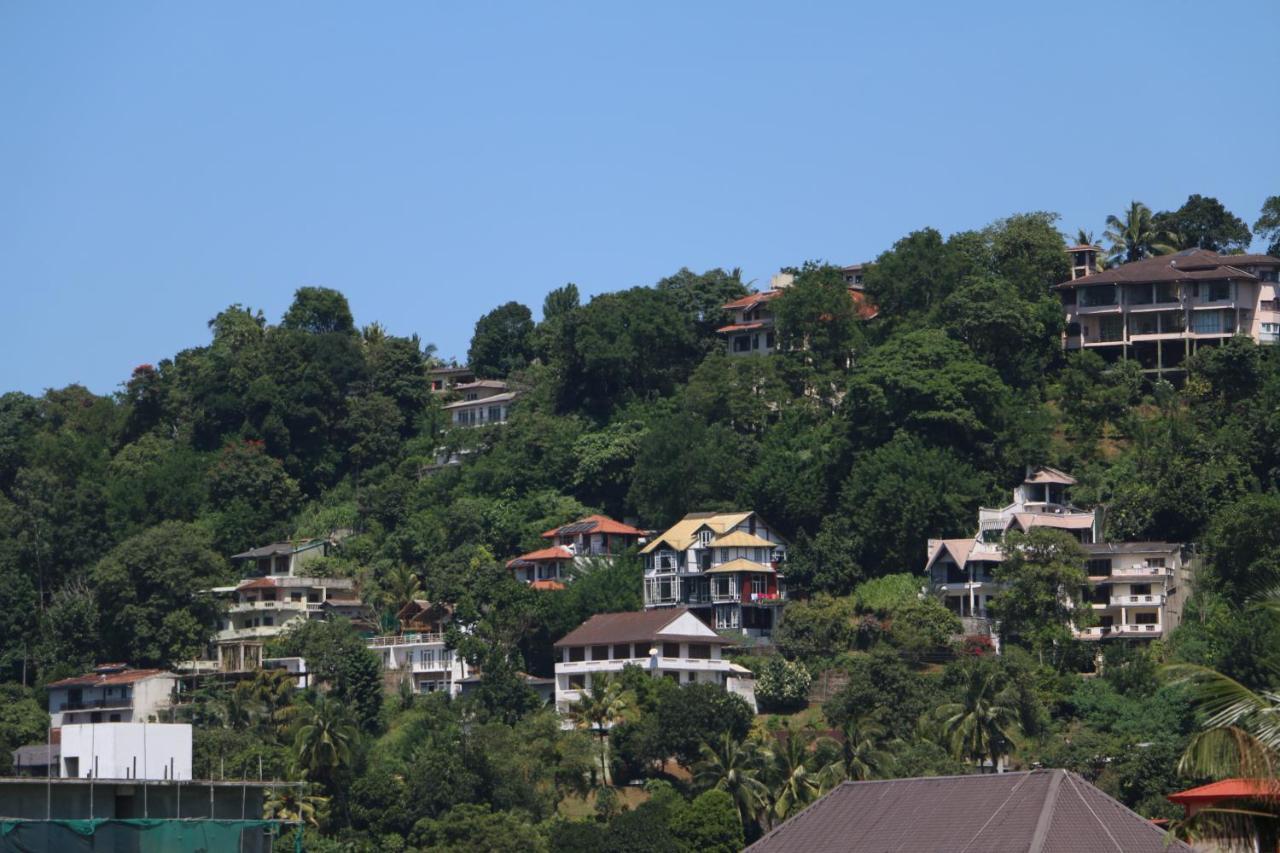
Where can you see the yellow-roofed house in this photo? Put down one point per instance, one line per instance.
(723, 566)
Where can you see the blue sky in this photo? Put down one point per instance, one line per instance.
(160, 161)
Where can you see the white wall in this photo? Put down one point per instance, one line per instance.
(156, 750)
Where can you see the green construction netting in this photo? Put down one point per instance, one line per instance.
(139, 836)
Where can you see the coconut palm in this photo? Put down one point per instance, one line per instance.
(984, 723)
(734, 768)
(401, 585)
(1135, 235)
(861, 755)
(606, 703)
(294, 804)
(323, 742)
(1240, 735)
(795, 784)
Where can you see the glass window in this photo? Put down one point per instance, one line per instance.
(622, 651)
(1166, 291)
(577, 654)
(578, 681)
(700, 651)
(1111, 329)
(1219, 291)
(599, 652)
(1155, 562)
(1099, 568)
(1091, 297)
(1207, 322)
(1141, 294)
(1143, 324)
(1144, 619)
(671, 650)
(742, 343)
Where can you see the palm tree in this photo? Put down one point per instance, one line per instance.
(401, 585)
(294, 804)
(861, 756)
(1240, 735)
(1135, 236)
(606, 703)
(795, 784)
(323, 742)
(984, 723)
(734, 768)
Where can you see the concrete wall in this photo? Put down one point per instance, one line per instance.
(127, 751)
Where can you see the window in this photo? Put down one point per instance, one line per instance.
(704, 559)
(722, 586)
(1141, 294)
(599, 652)
(113, 718)
(1143, 324)
(578, 681)
(1073, 330)
(1110, 329)
(1155, 562)
(495, 414)
(700, 651)
(1139, 589)
(751, 525)
(666, 561)
(622, 651)
(1166, 291)
(671, 650)
(268, 620)
(769, 341)
(1219, 291)
(1092, 297)
(755, 342)
(742, 343)
(1145, 619)
(704, 537)
(726, 617)
(758, 584)
(1099, 568)
(1207, 323)
(577, 654)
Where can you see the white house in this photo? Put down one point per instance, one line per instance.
(484, 402)
(418, 652)
(156, 751)
(669, 643)
(112, 693)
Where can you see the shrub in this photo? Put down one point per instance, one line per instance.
(783, 685)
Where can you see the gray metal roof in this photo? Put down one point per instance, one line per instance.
(1039, 811)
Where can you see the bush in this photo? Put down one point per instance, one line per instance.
(818, 628)
(782, 686)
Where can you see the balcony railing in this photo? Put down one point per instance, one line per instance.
(1140, 571)
(406, 639)
(1099, 632)
(1153, 598)
(91, 704)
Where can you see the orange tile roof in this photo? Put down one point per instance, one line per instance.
(94, 679)
(1229, 789)
(541, 555)
(739, 327)
(603, 524)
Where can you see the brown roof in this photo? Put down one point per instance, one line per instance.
(1045, 474)
(1188, 265)
(1038, 811)
(633, 627)
(123, 676)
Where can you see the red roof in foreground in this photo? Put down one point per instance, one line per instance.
(739, 327)
(542, 555)
(1229, 789)
(598, 524)
(94, 679)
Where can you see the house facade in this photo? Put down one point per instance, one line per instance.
(154, 751)
(448, 377)
(417, 652)
(1161, 310)
(724, 567)
(670, 643)
(751, 328)
(276, 592)
(593, 537)
(112, 693)
(1136, 589)
(483, 402)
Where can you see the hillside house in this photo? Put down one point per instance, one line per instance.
(669, 643)
(483, 402)
(1161, 310)
(446, 378)
(751, 328)
(593, 537)
(112, 693)
(723, 566)
(417, 651)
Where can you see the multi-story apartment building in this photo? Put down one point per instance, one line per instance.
(112, 693)
(669, 643)
(484, 402)
(593, 537)
(723, 566)
(417, 652)
(275, 593)
(1160, 310)
(751, 330)
(1135, 588)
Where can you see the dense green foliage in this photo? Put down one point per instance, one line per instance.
(859, 440)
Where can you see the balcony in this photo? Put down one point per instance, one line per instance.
(1141, 572)
(258, 631)
(406, 640)
(96, 704)
(260, 606)
(1152, 599)
(1105, 631)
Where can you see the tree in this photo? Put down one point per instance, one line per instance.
(1042, 573)
(1203, 223)
(151, 597)
(1242, 548)
(914, 276)
(861, 754)
(817, 318)
(1268, 224)
(816, 627)
(23, 720)
(795, 784)
(1135, 235)
(697, 714)
(1016, 336)
(701, 297)
(470, 828)
(502, 341)
(600, 707)
(734, 766)
(782, 686)
(337, 656)
(983, 724)
(324, 740)
(560, 302)
(252, 495)
(710, 824)
(319, 311)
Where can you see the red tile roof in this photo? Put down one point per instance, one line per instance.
(602, 524)
(542, 555)
(257, 583)
(751, 299)
(94, 679)
(739, 327)
(1229, 789)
